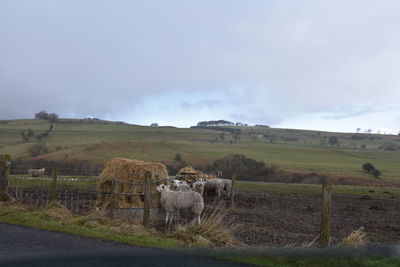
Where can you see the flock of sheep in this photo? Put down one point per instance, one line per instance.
(180, 195)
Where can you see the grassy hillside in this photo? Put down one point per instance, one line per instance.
(294, 150)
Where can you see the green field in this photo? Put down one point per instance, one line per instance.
(293, 150)
(315, 189)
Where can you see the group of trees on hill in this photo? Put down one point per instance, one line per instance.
(215, 123)
(219, 123)
(43, 115)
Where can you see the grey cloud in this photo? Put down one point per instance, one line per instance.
(256, 116)
(282, 58)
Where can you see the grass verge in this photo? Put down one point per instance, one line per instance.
(100, 227)
(311, 261)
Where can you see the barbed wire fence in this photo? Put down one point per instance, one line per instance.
(291, 217)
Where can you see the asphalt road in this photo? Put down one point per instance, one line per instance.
(24, 246)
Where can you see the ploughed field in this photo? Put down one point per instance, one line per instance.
(270, 218)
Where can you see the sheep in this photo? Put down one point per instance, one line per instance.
(183, 188)
(172, 201)
(216, 185)
(198, 187)
(36, 172)
(227, 186)
(177, 184)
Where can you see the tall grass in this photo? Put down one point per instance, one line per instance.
(216, 228)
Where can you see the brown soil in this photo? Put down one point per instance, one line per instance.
(274, 219)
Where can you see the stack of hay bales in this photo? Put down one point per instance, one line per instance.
(129, 171)
(189, 173)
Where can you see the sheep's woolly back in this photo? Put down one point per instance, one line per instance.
(184, 188)
(216, 185)
(172, 201)
(227, 185)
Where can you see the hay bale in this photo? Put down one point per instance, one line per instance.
(188, 170)
(129, 171)
(188, 173)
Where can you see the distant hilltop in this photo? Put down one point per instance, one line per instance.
(219, 123)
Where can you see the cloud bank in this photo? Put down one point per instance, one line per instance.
(179, 62)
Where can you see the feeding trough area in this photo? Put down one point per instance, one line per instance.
(127, 189)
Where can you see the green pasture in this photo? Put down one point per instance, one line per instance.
(83, 183)
(316, 189)
(294, 150)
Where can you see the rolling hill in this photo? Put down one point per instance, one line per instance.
(288, 149)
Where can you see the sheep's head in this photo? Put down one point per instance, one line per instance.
(200, 183)
(162, 187)
(177, 183)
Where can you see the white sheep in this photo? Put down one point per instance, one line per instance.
(227, 186)
(36, 172)
(176, 183)
(198, 187)
(216, 185)
(183, 188)
(173, 201)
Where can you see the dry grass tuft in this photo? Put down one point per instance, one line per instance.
(215, 229)
(355, 239)
(56, 211)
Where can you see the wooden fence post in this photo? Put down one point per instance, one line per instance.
(54, 185)
(5, 161)
(233, 191)
(326, 215)
(112, 199)
(147, 200)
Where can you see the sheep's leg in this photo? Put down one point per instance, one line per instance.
(166, 218)
(198, 219)
(171, 218)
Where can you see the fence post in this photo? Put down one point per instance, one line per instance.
(233, 191)
(112, 198)
(5, 161)
(54, 185)
(326, 215)
(147, 200)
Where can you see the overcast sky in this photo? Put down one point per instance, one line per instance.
(326, 65)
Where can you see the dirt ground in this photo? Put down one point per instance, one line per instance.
(275, 219)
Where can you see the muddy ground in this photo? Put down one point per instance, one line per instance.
(274, 219)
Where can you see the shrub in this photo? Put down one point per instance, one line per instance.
(37, 149)
(368, 167)
(376, 173)
(243, 167)
(178, 157)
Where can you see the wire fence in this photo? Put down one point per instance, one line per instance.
(262, 217)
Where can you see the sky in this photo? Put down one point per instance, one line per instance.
(323, 65)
